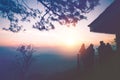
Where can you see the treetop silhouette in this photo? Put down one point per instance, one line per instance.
(65, 12)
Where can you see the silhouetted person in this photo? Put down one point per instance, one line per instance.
(90, 56)
(108, 47)
(82, 56)
(82, 49)
(109, 50)
(101, 50)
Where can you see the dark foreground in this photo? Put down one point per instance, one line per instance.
(108, 69)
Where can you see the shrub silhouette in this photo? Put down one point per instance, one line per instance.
(24, 61)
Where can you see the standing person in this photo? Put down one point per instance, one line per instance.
(82, 49)
(109, 50)
(82, 56)
(90, 55)
(101, 50)
(108, 47)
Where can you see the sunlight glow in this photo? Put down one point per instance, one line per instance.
(70, 41)
(62, 38)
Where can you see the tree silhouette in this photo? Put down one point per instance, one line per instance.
(24, 62)
(65, 12)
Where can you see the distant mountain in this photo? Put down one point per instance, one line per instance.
(51, 63)
(44, 63)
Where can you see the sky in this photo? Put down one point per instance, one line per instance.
(62, 37)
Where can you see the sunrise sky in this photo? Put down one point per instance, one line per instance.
(61, 37)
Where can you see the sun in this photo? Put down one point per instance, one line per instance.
(70, 42)
(70, 45)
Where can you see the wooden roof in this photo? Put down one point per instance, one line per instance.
(108, 21)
